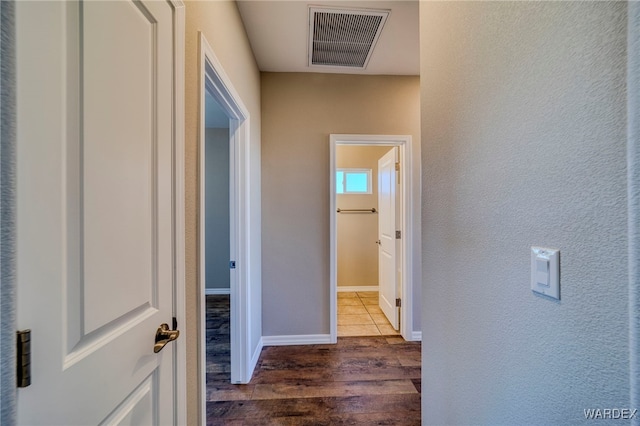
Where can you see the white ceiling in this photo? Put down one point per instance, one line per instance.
(279, 36)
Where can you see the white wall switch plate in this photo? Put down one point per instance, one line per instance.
(545, 271)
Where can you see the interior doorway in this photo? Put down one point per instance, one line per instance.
(233, 254)
(217, 242)
(244, 230)
(400, 148)
(367, 199)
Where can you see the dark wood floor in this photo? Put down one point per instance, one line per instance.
(358, 381)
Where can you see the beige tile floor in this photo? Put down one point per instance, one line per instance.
(360, 315)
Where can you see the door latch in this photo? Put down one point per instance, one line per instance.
(164, 336)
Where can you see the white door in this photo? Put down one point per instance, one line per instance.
(95, 210)
(388, 291)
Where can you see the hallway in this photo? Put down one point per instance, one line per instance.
(360, 380)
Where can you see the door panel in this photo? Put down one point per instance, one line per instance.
(118, 165)
(387, 236)
(95, 226)
(136, 408)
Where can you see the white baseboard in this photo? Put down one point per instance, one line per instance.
(255, 358)
(212, 291)
(306, 339)
(416, 336)
(342, 288)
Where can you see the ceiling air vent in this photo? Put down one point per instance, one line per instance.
(343, 37)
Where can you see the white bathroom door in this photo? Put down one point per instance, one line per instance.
(95, 214)
(388, 286)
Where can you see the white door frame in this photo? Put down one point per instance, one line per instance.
(212, 78)
(179, 300)
(404, 142)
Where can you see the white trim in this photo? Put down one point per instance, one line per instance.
(212, 78)
(333, 246)
(179, 298)
(416, 336)
(404, 142)
(352, 288)
(256, 354)
(216, 291)
(303, 339)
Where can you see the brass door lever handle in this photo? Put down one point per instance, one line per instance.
(163, 336)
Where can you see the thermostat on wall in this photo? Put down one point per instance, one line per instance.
(545, 271)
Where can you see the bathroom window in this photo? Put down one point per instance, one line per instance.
(353, 181)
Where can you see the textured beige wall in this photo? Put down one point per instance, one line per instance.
(299, 112)
(221, 24)
(357, 232)
(524, 143)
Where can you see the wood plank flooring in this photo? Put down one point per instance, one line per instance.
(358, 381)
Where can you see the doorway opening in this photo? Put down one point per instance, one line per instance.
(384, 255)
(224, 232)
(216, 233)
